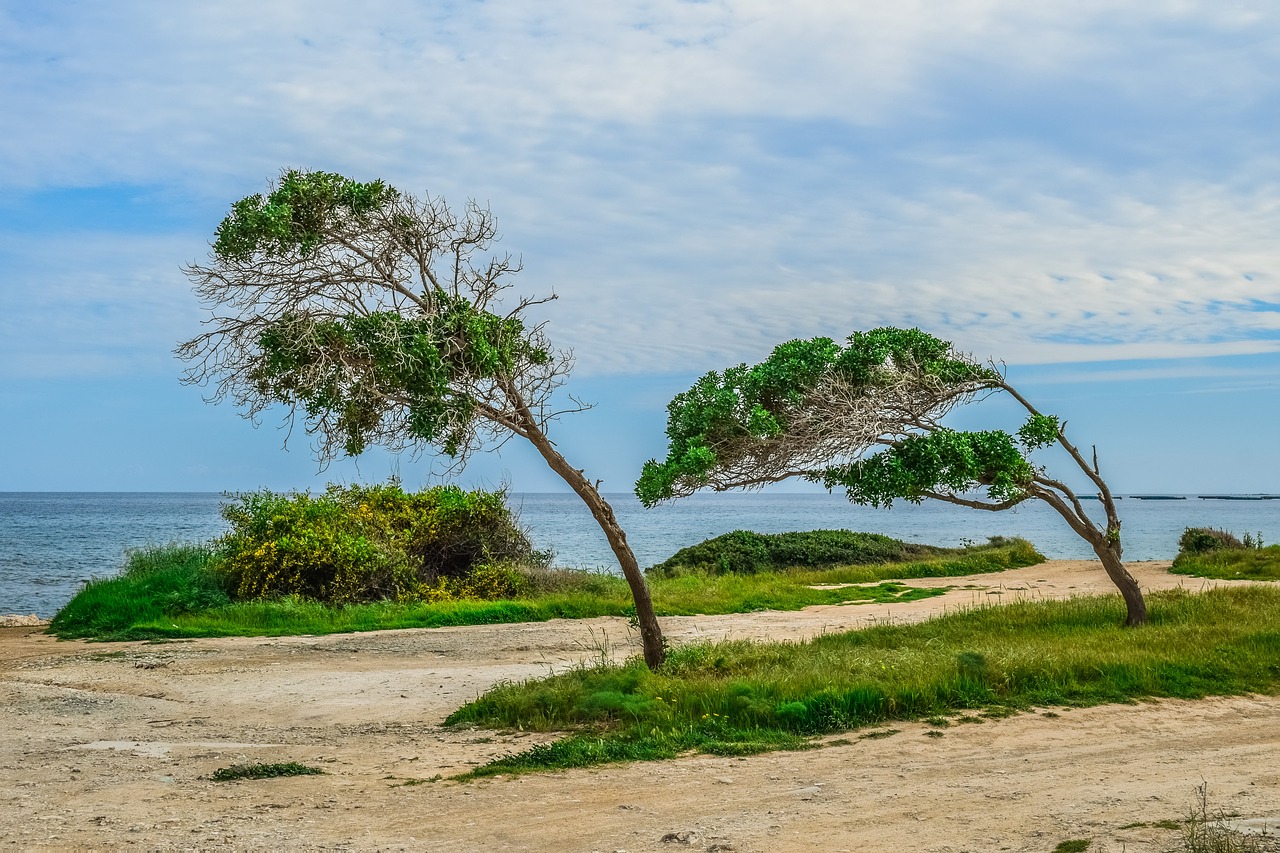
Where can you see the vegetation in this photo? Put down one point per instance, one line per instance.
(372, 317)
(1208, 553)
(372, 543)
(1206, 831)
(1074, 845)
(159, 595)
(156, 584)
(236, 772)
(739, 697)
(745, 552)
(817, 410)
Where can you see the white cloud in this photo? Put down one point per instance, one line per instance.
(698, 180)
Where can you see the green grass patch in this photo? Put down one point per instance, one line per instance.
(1258, 564)
(744, 552)
(237, 772)
(157, 584)
(739, 697)
(1074, 845)
(177, 592)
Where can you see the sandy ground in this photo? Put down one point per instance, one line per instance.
(110, 745)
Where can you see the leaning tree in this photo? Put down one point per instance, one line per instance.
(867, 417)
(378, 319)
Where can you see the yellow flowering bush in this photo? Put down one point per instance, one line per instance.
(369, 543)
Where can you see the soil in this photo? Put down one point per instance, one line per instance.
(111, 745)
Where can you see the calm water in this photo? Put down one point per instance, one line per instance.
(51, 542)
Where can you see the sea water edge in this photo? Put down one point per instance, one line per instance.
(52, 542)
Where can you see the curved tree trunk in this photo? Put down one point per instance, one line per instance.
(1136, 607)
(655, 649)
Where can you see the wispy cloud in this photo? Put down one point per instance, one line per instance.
(1039, 182)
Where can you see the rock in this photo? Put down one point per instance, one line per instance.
(15, 621)
(684, 836)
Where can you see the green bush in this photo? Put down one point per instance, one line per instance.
(1202, 540)
(370, 543)
(746, 553)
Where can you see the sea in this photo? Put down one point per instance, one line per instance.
(51, 543)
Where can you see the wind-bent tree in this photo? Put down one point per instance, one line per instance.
(375, 317)
(867, 417)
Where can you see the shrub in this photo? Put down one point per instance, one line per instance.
(745, 552)
(1202, 540)
(368, 543)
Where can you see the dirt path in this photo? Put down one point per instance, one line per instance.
(110, 745)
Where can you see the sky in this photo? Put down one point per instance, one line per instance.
(1087, 192)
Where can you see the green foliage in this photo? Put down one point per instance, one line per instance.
(1209, 553)
(1007, 658)
(945, 460)
(425, 364)
(757, 403)
(1202, 540)
(1039, 431)
(157, 585)
(1258, 564)
(122, 608)
(366, 543)
(294, 217)
(746, 552)
(236, 772)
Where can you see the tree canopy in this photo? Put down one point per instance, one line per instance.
(378, 319)
(866, 417)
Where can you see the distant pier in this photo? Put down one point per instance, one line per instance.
(1238, 497)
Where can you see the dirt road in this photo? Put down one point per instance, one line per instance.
(111, 745)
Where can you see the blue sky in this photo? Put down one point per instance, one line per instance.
(1088, 191)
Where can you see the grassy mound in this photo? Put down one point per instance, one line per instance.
(157, 584)
(740, 697)
(1208, 553)
(743, 552)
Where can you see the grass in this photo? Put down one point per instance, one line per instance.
(175, 592)
(1259, 564)
(748, 552)
(740, 697)
(236, 772)
(1074, 845)
(156, 583)
(1206, 831)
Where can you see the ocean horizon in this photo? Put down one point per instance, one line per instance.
(52, 542)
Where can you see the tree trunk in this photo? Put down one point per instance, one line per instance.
(655, 648)
(1136, 607)
(1106, 544)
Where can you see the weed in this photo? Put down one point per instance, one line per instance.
(408, 783)
(1075, 845)
(879, 733)
(263, 771)
(1207, 832)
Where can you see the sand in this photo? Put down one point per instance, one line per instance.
(110, 745)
